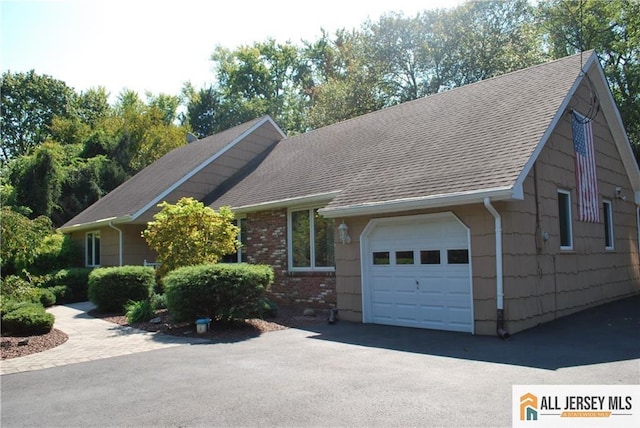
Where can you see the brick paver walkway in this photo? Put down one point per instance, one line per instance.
(91, 339)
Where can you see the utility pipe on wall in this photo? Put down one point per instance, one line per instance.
(500, 330)
(119, 242)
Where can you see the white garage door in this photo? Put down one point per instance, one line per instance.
(417, 272)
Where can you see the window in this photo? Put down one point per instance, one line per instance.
(381, 258)
(458, 257)
(311, 245)
(92, 254)
(608, 225)
(564, 216)
(430, 257)
(241, 255)
(404, 257)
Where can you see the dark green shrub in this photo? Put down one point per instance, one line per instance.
(223, 292)
(62, 293)
(139, 311)
(77, 280)
(46, 297)
(110, 288)
(27, 319)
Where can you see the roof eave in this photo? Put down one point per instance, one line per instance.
(315, 199)
(94, 224)
(426, 202)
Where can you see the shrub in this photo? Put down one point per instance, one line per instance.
(223, 292)
(55, 252)
(139, 311)
(111, 288)
(158, 301)
(62, 293)
(45, 297)
(27, 319)
(77, 280)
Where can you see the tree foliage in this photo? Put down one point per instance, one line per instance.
(29, 102)
(612, 28)
(21, 238)
(189, 233)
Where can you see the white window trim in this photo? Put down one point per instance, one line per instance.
(313, 267)
(86, 249)
(608, 206)
(570, 223)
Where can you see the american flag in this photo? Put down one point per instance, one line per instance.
(586, 180)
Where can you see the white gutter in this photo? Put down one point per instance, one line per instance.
(119, 242)
(499, 276)
(286, 203)
(432, 201)
(95, 224)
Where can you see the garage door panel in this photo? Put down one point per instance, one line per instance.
(426, 280)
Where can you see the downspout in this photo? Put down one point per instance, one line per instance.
(500, 330)
(119, 242)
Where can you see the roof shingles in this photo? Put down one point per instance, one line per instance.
(475, 137)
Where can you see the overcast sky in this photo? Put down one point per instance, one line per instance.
(158, 45)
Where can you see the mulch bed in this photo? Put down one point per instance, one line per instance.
(13, 347)
(288, 317)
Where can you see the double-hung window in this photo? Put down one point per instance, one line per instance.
(92, 253)
(311, 241)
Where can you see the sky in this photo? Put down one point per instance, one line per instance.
(158, 45)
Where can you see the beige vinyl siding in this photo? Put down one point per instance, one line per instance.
(541, 282)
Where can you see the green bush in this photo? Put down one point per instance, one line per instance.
(223, 292)
(77, 280)
(56, 251)
(27, 319)
(139, 311)
(62, 293)
(46, 297)
(158, 301)
(111, 288)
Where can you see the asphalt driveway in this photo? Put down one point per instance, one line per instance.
(340, 375)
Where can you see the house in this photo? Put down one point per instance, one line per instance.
(482, 209)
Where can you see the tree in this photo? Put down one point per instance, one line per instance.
(37, 178)
(263, 78)
(188, 233)
(203, 109)
(21, 239)
(612, 28)
(29, 101)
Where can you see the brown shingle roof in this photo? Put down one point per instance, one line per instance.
(131, 197)
(467, 139)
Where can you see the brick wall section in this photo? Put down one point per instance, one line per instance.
(267, 244)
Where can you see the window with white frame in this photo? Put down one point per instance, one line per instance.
(241, 255)
(608, 224)
(92, 252)
(311, 241)
(564, 217)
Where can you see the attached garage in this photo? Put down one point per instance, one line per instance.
(417, 272)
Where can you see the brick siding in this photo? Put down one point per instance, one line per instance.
(267, 243)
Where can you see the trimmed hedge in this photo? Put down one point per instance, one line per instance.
(111, 288)
(26, 319)
(77, 280)
(223, 292)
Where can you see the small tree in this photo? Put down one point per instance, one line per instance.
(189, 233)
